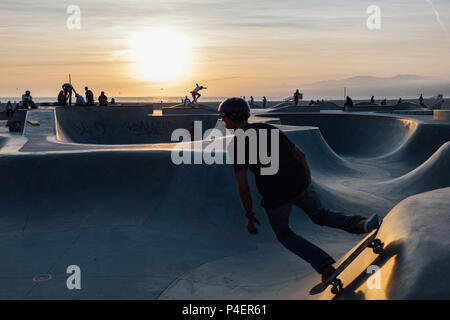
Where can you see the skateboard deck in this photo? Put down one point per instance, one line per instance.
(369, 242)
(34, 122)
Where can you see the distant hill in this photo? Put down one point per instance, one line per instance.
(366, 86)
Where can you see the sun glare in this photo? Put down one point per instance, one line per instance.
(160, 55)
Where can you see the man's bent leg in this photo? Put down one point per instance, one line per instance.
(309, 201)
(279, 220)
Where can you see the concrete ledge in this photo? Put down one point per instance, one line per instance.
(292, 108)
(187, 110)
(367, 108)
(443, 115)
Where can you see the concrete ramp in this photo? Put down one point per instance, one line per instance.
(416, 259)
(141, 227)
(433, 174)
(39, 124)
(122, 125)
(362, 136)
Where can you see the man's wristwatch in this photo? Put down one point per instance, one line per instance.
(249, 216)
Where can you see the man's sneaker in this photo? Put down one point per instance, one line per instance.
(371, 223)
(327, 272)
(367, 225)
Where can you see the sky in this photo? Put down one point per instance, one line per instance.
(234, 48)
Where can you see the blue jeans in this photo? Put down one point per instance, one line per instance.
(309, 202)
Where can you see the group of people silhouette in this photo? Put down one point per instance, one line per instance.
(65, 97)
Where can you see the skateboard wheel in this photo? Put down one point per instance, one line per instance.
(377, 246)
(337, 286)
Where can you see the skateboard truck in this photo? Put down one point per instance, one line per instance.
(377, 246)
(337, 286)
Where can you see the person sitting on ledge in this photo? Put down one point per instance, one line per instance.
(113, 101)
(384, 102)
(400, 101)
(187, 101)
(62, 100)
(348, 102)
(103, 99)
(311, 103)
(27, 101)
(89, 96)
(79, 102)
(372, 100)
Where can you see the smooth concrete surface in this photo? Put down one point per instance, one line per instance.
(140, 227)
(442, 115)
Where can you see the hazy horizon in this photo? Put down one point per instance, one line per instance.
(137, 48)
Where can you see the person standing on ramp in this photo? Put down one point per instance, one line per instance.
(291, 185)
(68, 90)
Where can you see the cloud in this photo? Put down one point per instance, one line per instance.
(438, 17)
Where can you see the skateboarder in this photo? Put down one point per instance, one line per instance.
(195, 94)
(291, 185)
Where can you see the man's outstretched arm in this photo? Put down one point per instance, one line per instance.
(246, 199)
(244, 190)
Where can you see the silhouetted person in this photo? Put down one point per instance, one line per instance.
(9, 109)
(62, 101)
(296, 97)
(89, 96)
(400, 101)
(27, 100)
(103, 99)
(289, 186)
(421, 99)
(195, 93)
(68, 90)
(113, 101)
(372, 100)
(348, 102)
(264, 101)
(311, 103)
(384, 102)
(187, 101)
(251, 100)
(79, 102)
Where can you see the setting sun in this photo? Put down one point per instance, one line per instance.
(160, 55)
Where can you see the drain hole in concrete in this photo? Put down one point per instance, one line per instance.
(42, 278)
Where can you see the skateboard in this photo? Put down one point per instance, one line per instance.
(34, 122)
(370, 241)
